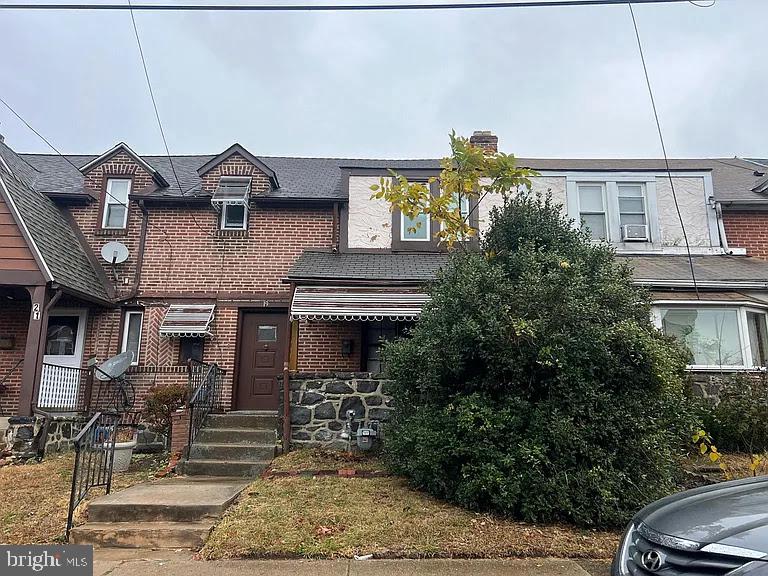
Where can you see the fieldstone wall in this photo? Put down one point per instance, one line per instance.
(707, 384)
(319, 402)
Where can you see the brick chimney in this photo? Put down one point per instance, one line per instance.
(485, 139)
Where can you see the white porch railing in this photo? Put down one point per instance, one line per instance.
(60, 387)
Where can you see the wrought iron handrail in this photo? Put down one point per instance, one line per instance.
(94, 456)
(3, 386)
(205, 397)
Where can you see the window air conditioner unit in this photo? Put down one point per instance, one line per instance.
(634, 232)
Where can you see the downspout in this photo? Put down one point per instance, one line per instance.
(287, 382)
(335, 232)
(721, 228)
(140, 257)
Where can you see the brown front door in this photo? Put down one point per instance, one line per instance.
(262, 353)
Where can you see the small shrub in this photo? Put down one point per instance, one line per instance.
(739, 422)
(161, 403)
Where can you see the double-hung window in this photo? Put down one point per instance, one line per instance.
(718, 337)
(116, 203)
(632, 211)
(592, 209)
(132, 321)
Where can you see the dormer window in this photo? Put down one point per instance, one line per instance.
(231, 198)
(116, 203)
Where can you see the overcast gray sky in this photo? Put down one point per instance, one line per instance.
(549, 81)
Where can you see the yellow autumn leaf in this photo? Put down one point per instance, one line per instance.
(703, 448)
(714, 449)
(714, 456)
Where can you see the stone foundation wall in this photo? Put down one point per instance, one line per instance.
(319, 402)
(707, 384)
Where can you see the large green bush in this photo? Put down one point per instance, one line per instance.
(739, 422)
(535, 384)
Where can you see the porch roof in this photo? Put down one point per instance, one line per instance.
(357, 303)
(187, 321)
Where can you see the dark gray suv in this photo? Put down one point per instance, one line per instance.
(716, 530)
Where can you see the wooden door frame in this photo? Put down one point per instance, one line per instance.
(276, 310)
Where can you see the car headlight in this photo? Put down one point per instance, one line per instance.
(622, 555)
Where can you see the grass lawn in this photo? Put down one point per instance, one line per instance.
(33, 509)
(327, 516)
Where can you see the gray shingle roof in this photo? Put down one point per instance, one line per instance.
(707, 268)
(321, 178)
(324, 265)
(58, 245)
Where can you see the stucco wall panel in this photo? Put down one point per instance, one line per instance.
(691, 197)
(370, 221)
(554, 185)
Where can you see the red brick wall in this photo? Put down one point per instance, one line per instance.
(747, 230)
(320, 346)
(187, 258)
(14, 319)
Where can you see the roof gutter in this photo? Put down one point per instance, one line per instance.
(724, 284)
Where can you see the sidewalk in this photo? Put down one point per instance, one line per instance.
(130, 563)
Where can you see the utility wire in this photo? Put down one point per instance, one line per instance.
(157, 115)
(68, 161)
(664, 150)
(330, 7)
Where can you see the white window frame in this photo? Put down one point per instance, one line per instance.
(223, 220)
(611, 185)
(741, 308)
(111, 200)
(126, 325)
(644, 197)
(606, 212)
(403, 229)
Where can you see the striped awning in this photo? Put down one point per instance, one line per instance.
(187, 321)
(356, 303)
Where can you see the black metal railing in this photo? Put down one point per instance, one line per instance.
(63, 388)
(206, 382)
(94, 456)
(4, 380)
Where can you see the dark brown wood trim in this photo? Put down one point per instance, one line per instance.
(253, 299)
(22, 278)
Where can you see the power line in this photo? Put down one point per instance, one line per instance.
(157, 115)
(664, 149)
(330, 7)
(68, 161)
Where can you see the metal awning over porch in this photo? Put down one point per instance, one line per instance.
(187, 321)
(356, 303)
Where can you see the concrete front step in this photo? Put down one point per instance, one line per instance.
(236, 436)
(190, 535)
(238, 468)
(252, 420)
(171, 500)
(241, 452)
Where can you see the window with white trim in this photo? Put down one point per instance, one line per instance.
(116, 203)
(132, 321)
(718, 337)
(234, 216)
(592, 212)
(615, 210)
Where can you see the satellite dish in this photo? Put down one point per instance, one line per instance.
(115, 366)
(114, 252)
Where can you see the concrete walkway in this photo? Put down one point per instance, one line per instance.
(127, 563)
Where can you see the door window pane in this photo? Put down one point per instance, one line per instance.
(267, 334)
(758, 338)
(132, 334)
(711, 334)
(62, 335)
